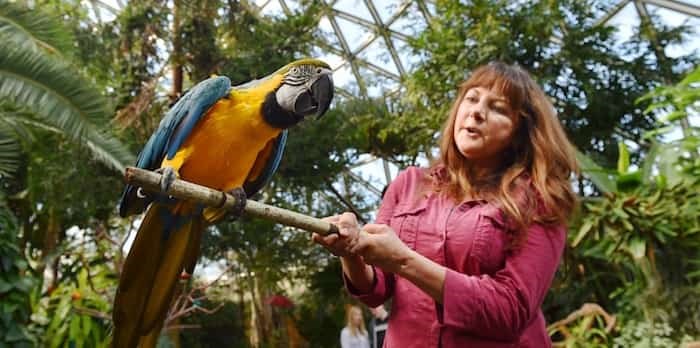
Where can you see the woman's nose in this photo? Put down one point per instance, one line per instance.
(478, 114)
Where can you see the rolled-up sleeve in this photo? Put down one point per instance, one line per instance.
(501, 305)
(382, 288)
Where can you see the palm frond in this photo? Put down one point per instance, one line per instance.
(10, 152)
(53, 91)
(103, 146)
(34, 28)
(11, 122)
(108, 150)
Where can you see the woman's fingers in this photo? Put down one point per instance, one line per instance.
(360, 244)
(325, 240)
(332, 219)
(348, 219)
(342, 243)
(347, 224)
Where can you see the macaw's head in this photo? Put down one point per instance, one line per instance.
(306, 89)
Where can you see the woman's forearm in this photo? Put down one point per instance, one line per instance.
(424, 273)
(360, 274)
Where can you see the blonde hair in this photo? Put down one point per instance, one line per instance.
(355, 330)
(533, 182)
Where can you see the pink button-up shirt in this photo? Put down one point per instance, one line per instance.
(492, 296)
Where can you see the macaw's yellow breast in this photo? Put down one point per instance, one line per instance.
(222, 148)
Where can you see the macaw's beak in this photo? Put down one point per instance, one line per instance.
(317, 99)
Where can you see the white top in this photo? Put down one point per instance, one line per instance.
(347, 340)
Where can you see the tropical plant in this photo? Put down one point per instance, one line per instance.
(648, 335)
(577, 60)
(40, 82)
(16, 285)
(588, 327)
(635, 249)
(75, 308)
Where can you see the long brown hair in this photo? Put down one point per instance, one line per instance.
(533, 183)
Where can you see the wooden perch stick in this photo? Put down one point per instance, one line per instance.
(150, 181)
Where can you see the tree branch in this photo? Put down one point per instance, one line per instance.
(150, 181)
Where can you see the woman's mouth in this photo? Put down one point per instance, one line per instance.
(472, 131)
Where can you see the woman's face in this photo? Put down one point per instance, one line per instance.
(356, 317)
(484, 126)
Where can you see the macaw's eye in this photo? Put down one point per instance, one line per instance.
(295, 70)
(319, 70)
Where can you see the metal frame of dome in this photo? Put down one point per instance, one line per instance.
(381, 29)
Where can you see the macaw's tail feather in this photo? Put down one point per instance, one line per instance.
(150, 340)
(167, 240)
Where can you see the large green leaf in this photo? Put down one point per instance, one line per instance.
(601, 177)
(55, 92)
(9, 155)
(693, 77)
(623, 159)
(34, 28)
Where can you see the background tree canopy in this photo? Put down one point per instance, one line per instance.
(79, 97)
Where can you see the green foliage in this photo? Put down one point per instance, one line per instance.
(322, 311)
(246, 36)
(73, 314)
(647, 335)
(559, 42)
(16, 285)
(9, 154)
(223, 328)
(647, 270)
(49, 88)
(61, 101)
(60, 187)
(628, 228)
(672, 105)
(635, 250)
(75, 310)
(590, 330)
(35, 29)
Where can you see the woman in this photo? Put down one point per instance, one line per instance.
(354, 334)
(467, 248)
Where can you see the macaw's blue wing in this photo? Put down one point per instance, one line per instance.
(172, 131)
(266, 164)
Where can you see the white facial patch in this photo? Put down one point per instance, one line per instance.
(286, 96)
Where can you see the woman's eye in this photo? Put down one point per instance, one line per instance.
(501, 109)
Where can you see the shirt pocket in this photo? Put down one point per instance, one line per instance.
(405, 220)
(490, 241)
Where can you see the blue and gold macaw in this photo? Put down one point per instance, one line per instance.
(227, 138)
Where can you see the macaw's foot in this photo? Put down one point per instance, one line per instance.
(169, 176)
(241, 199)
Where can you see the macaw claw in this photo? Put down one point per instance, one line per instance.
(169, 176)
(241, 199)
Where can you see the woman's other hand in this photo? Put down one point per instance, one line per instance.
(348, 234)
(380, 246)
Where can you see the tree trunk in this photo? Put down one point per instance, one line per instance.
(177, 53)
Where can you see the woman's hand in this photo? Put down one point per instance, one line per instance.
(380, 246)
(348, 233)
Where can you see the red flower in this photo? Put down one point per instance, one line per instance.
(280, 301)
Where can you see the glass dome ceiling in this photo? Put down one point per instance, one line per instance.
(365, 41)
(366, 44)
